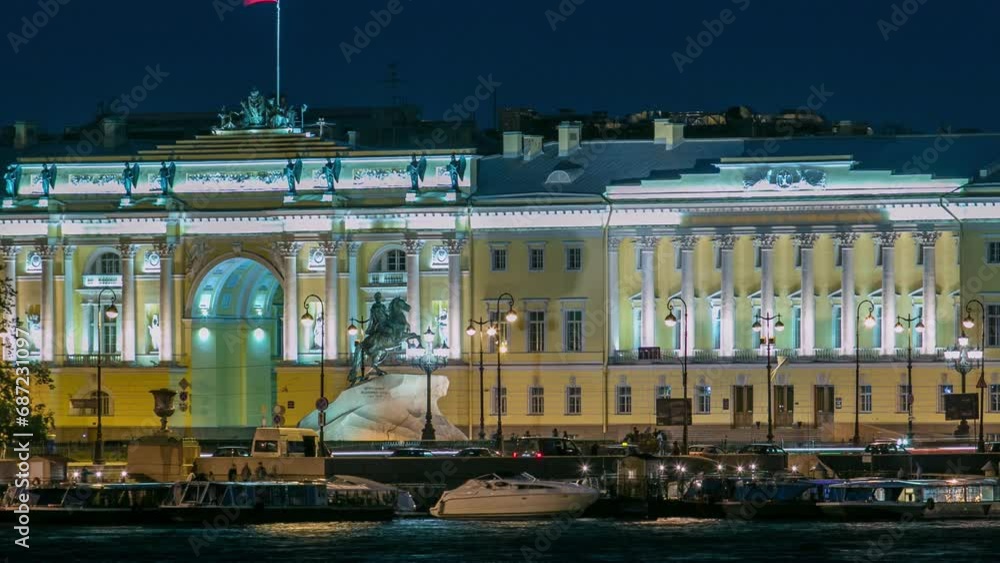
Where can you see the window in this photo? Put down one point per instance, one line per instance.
(903, 398)
(877, 329)
(943, 391)
(536, 331)
(90, 406)
(503, 401)
(109, 264)
(993, 252)
(703, 399)
(574, 258)
(993, 325)
(661, 392)
(716, 328)
(623, 402)
(498, 259)
(536, 259)
(503, 330)
(393, 261)
(798, 257)
(797, 326)
(866, 398)
(994, 398)
(573, 331)
(835, 329)
(918, 337)
(536, 401)
(754, 336)
(109, 336)
(574, 400)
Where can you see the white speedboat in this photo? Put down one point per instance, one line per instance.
(521, 496)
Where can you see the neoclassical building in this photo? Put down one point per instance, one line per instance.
(214, 248)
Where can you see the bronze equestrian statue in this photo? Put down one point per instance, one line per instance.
(387, 331)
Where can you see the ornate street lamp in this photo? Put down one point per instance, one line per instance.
(969, 323)
(671, 321)
(494, 330)
(471, 331)
(767, 340)
(429, 359)
(354, 331)
(321, 402)
(909, 328)
(869, 324)
(962, 359)
(111, 313)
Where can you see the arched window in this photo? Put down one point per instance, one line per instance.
(392, 261)
(107, 264)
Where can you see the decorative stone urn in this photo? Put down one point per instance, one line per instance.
(164, 405)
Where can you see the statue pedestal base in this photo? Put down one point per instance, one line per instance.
(161, 457)
(391, 407)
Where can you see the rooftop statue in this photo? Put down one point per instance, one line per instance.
(11, 180)
(387, 330)
(48, 177)
(130, 177)
(331, 173)
(293, 172)
(416, 170)
(167, 175)
(258, 112)
(456, 171)
(254, 110)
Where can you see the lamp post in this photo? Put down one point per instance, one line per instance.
(111, 313)
(353, 331)
(429, 359)
(962, 359)
(969, 323)
(494, 330)
(767, 339)
(471, 331)
(909, 365)
(321, 402)
(671, 321)
(869, 323)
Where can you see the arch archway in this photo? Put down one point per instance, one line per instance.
(235, 309)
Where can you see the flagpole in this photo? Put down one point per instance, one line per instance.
(277, 95)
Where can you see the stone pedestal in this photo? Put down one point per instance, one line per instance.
(391, 407)
(161, 458)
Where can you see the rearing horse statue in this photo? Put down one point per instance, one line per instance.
(382, 337)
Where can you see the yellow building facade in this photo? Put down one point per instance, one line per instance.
(212, 257)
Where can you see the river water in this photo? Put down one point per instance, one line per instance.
(426, 539)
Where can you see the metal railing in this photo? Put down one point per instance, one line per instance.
(758, 356)
(387, 279)
(90, 360)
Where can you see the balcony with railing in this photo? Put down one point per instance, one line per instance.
(92, 281)
(759, 356)
(115, 361)
(387, 279)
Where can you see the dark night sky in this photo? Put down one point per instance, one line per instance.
(938, 68)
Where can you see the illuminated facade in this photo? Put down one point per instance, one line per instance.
(591, 238)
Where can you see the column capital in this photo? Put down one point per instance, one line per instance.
(887, 239)
(164, 249)
(805, 240)
(927, 238)
(725, 242)
(46, 251)
(845, 240)
(614, 244)
(68, 251)
(686, 242)
(287, 248)
(647, 243)
(765, 241)
(330, 248)
(413, 245)
(455, 246)
(352, 248)
(9, 251)
(127, 250)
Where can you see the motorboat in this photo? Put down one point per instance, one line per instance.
(516, 496)
(792, 499)
(86, 504)
(920, 499)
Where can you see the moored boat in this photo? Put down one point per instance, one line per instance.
(520, 496)
(88, 504)
(923, 499)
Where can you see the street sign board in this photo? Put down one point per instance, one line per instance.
(672, 412)
(961, 406)
(982, 383)
(322, 403)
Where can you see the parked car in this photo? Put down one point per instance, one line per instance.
(705, 449)
(232, 451)
(884, 447)
(477, 452)
(412, 452)
(541, 447)
(762, 449)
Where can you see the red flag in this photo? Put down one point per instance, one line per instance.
(252, 2)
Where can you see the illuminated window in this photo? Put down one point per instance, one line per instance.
(866, 398)
(574, 400)
(573, 329)
(503, 401)
(623, 396)
(536, 401)
(703, 399)
(498, 259)
(944, 391)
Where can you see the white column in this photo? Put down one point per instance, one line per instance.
(927, 240)
(807, 329)
(9, 252)
(352, 290)
(647, 247)
(69, 300)
(847, 312)
(48, 347)
(166, 250)
(614, 322)
(331, 298)
(887, 241)
(289, 251)
(686, 246)
(128, 313)
(456, 323)
(413, 248)
(727, 323)
(766, 244)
